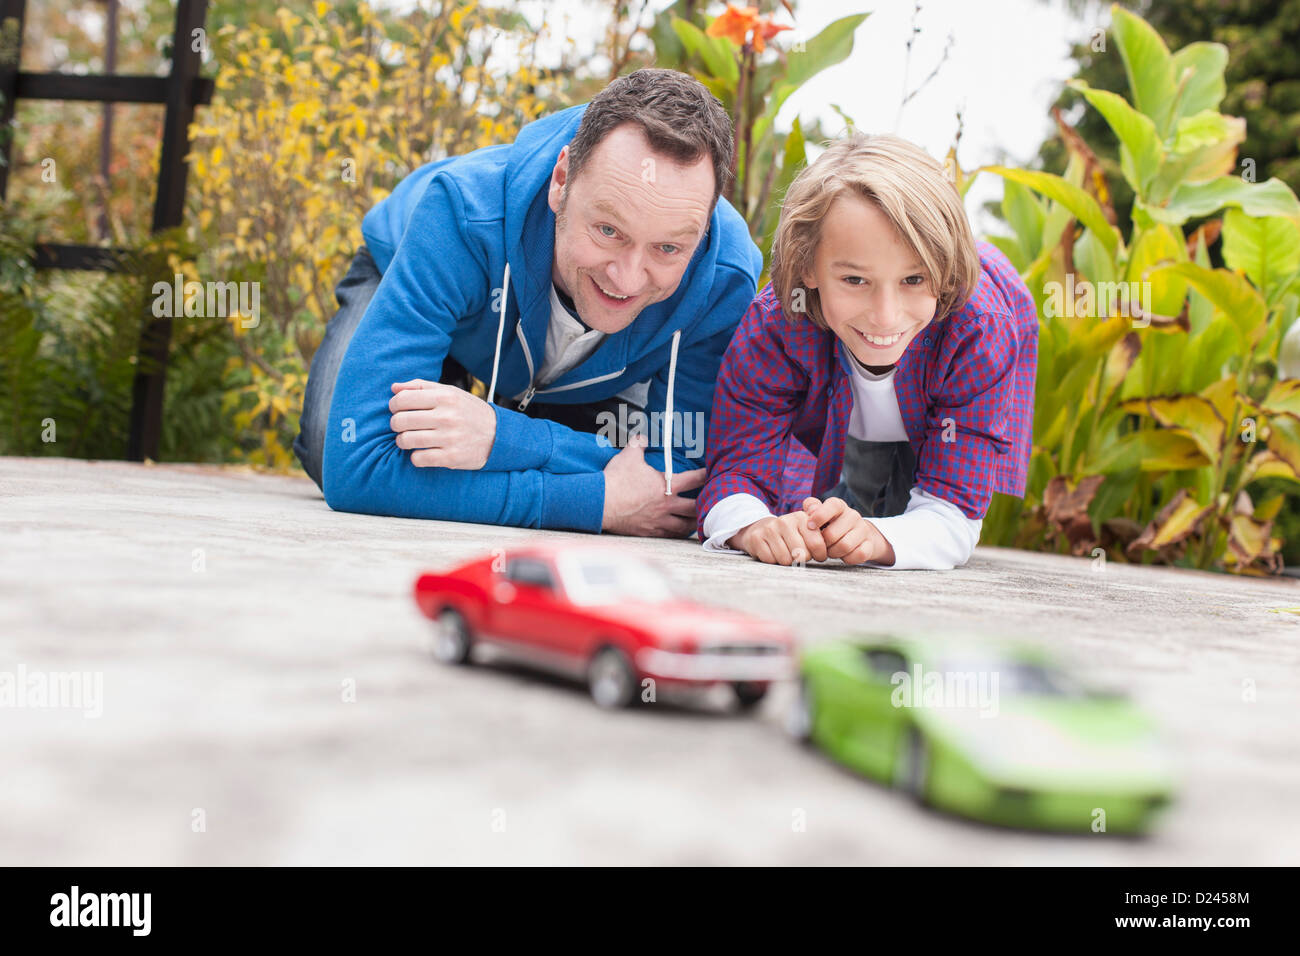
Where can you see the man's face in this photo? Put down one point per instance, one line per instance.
(626, 226)
(874, 292)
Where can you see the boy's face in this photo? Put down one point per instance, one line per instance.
(874, 291)
(626, 226)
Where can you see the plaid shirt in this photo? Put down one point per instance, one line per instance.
(784, 398)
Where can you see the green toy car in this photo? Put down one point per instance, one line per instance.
(999, 735)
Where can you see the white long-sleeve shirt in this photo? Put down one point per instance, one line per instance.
(930, 534)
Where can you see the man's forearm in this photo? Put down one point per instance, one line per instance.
(381, 480)
(524, 443)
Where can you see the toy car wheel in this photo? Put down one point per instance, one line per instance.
(913, 765)
(799, 721)
(749, 693)
(451, 638)
(610, 679)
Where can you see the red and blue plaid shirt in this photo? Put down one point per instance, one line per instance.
(965, 388)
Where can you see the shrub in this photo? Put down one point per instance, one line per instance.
(1162, 425)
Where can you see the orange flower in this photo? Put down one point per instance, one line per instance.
(742, 25)
(766, 30)
(735, 23)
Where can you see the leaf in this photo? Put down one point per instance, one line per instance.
(1230, 293)
(1186, 414)
(1175, 523)
(1283, 399)
(1266, 248)
(1151, 449)
(849, 122)
(1065, 499)
(1207, 128)
(1161, 293)
(794, 156)
(1080, 204)
(1099, 336)
(1268, 464)
(1066, 504)
(1074, 370)
(1179, 520)
(1140, 149)
(1248, 537)
(1204, 147)
(1120, 531)
(717, 87)
(1148, 64)
(829, 47)
(1270, 507)
(668, 48)
(1198, 71)
(953, 169)
(1210, 353)
(1224, 397)
(716, 53)
(1118, 363)
(1269, 198)
(1025, 216)
(1284, 441)
(1010, 248)
(1090, 257)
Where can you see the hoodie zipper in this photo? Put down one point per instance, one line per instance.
(534, 390)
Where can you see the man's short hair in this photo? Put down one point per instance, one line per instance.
(679, 117)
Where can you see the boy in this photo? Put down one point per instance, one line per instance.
(896, 351)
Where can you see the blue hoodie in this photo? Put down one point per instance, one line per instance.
(443, 241)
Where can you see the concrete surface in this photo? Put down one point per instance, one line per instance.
(227, 613)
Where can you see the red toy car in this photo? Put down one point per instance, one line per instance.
(597, 612)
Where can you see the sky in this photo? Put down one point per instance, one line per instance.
(1005, 67)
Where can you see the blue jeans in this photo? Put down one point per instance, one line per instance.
(353, 293)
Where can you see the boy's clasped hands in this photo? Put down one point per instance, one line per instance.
(820, 531)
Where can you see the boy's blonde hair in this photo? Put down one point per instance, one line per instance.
(913, 192)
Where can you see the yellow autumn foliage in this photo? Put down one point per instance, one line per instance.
(313, 121)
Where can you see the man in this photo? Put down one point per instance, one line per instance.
(587, 265)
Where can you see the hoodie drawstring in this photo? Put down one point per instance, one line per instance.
(668, 414)
(501, 328)
(668, 401)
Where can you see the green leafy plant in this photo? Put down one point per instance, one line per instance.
(1159, 405)
(69, 344)
(753, 78)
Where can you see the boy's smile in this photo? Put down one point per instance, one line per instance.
(874, 292)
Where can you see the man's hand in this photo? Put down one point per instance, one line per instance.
(441, 425)
(787, 540)
(635, 502)
(848, 536)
